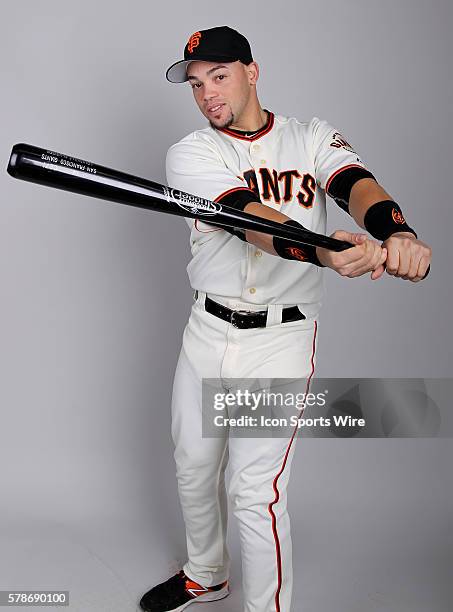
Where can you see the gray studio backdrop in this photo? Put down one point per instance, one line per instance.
(94, 299)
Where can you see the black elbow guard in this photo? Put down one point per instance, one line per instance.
(339, 187)
(237, 198)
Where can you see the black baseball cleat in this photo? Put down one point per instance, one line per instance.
(178, 592)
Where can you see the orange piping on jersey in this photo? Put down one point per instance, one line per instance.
(225, 193)
(341, 170)
(265, 129)
(205, 231)
(217, 200)
(275, 482)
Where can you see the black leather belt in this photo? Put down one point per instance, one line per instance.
(244, 319)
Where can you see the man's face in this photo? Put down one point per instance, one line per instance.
(222, 91)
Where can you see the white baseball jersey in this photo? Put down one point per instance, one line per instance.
(288, 165)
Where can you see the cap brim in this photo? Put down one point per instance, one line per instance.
(177, 73)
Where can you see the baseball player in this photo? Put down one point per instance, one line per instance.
(256, 306)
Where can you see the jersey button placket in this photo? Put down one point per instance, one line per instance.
(257, 156)
(250, 277)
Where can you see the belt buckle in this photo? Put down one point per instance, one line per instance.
(239, 312)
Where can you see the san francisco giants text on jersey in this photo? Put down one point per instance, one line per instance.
(288, 165)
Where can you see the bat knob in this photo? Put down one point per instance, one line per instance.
(14, 158)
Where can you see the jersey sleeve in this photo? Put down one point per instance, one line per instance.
(332, 153)
(196, 167)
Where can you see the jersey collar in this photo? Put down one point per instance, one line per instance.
(250, 137)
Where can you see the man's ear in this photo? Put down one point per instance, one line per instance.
(253, 72)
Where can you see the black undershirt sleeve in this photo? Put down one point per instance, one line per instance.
(238, 199)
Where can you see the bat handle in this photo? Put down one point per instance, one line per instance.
(342, 245)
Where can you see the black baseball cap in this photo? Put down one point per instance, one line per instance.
(221, 44)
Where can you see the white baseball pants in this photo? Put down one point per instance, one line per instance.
(259, 467)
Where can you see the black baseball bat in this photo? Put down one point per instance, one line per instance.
(46, 167)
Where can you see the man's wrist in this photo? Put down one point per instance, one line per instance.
(412, 235)
(320, 253)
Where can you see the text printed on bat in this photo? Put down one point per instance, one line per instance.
(191, 203)
(64, 161)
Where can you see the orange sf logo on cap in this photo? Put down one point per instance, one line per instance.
(397, 216)
(297, 253)
(194, 41)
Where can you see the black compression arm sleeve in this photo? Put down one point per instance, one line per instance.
(340, 187)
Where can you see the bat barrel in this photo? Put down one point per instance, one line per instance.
(46, 167)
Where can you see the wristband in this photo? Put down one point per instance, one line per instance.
(288, 249)
(384, 219)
